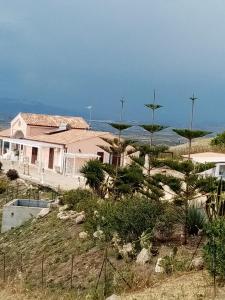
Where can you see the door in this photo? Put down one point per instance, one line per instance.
(116, 159)
(101, 156)
(51, 158)
(34, 155)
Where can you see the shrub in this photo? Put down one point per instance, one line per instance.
(195, 220)
(129, 217)
(93, 171)
(12, 174)
(219, 140)
(73, 197)
(214, 250)
(3, 186)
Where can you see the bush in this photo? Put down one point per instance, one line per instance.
(219, 140)
(214, 250)
(73, 197)
(12, 174)
(3, 186)
(195, 220)
(129, 218)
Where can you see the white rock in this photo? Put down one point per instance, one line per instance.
(158, 267)
(43, 212)
(99, 234)
(83, 235)
(113, 297)
(80, 219)
(66, 215)
(143, 257)
(197, 263)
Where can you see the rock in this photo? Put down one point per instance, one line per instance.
(99, 234)
(63, 208)
(113, 297)
(83, 235)
(80, 219)
(43, 212)
(197, 263)
(158, 267)
(66, 215)
(143, 257)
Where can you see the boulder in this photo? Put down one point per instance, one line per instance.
(143, 257)
(197, 263)
(158, 267)
(66, 215)
(83, 235)
(80, 219)
(43, 212)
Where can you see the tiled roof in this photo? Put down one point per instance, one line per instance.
(5, 132)
(70, 136)
(54, 121)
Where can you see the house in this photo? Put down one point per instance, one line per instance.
(58, 143)
(210, 157)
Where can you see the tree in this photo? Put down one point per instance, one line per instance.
(191, 184)
(191, 134)
(93, 171)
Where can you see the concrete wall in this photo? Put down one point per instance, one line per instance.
(14, 215)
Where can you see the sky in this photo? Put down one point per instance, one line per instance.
(75, 53)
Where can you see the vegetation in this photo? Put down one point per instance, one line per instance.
(219, 140)
(12, 174)
(73, 197)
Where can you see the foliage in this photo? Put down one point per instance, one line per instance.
(0, 166)
(120, 126)
(129, 217)
(3, 186)
(153, 127)
(219, 140)
(153, 106)
(191, 134)
(12, 174)
(73, 197)
(117, 146)
(214, 250)
(195, 220)
(93, 171)
(129, 180)
(173, 182)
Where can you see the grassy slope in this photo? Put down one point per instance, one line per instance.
(56, 241)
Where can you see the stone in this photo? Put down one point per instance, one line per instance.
(66, 215)
(158, 267)
(43, 212)
(143, 257)
(197, 263)
(99, 234)
(113, 297)
(83, 235)
(80, 219)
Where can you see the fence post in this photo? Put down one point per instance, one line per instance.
(42, 272)
(4, 266)
(71, 272)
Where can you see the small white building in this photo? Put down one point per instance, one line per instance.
(210, 157)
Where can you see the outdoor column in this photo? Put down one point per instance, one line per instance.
(74, 165)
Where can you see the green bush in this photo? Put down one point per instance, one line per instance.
(195, 220)
(129, 217)
(219, 140)
(73, 197)
(214, 250)
(3, 186)
(12, 174)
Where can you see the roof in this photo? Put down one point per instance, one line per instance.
(53, 120)
(5, 132)
(207, 157)
(70, 136)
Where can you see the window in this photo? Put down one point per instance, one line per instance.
(100, 156)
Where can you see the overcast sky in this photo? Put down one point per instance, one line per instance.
(74, 53)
